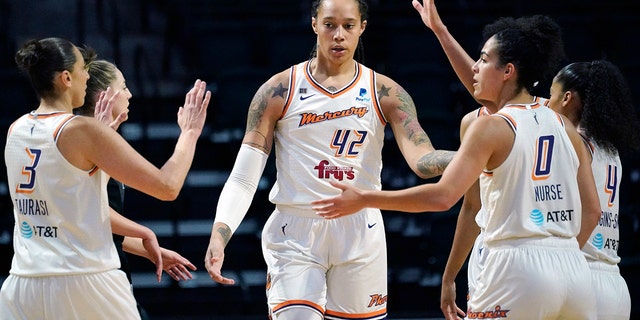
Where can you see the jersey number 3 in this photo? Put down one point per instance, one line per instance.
(29, 171)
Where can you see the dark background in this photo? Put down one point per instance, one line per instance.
(163, 46)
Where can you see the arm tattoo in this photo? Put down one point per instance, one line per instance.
(279, 91)
(411, 124)
(225, 232)
(434, 163)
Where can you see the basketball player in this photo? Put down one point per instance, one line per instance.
(326, 117)
(584, 91)
(65, 265)
(528, 158)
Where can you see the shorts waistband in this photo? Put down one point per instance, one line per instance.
(297, 211)
(603, 266)
(554, 242)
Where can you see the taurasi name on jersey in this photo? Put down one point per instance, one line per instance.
(32, 207)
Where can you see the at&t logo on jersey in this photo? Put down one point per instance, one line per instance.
(325, 171)
(538, 217)
(29, 232)
(26, 230)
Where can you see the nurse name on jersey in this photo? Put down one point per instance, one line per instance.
(553, 192)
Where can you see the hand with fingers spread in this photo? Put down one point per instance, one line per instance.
(176, 265)
(351, 200)
(104, 109)
(429, 15)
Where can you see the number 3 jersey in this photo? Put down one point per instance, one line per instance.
(327, 136)
(534, 192)
(62, 223)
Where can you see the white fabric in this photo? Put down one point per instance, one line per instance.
(327, 136)
(534, 192)
(238, 191)
(97, 296)
(62, 222)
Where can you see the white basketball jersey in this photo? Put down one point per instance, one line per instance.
(605, 238)
(534, 192)
(327, 136)
(484, 111)
(62, 223)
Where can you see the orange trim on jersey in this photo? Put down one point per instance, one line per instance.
(44, 116)
(298, 303)
(64, 122)
(315, 84)
(292, 81)
(507, 117)
(367, 315)
(376, 103)
(93, 171)
(487, 173)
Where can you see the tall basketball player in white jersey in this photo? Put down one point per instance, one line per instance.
(326, 117)
(537, 190)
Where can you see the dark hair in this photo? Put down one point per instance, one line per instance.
(607, 116)
(101, 74)
(533, 44)
(363, 7)
(42, 59)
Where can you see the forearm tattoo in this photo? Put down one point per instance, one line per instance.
(415, 132)
(225, 232)
(433, 164)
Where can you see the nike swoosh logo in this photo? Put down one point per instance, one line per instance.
(307, 97)
(371, 225)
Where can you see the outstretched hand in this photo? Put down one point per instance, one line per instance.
(104, 109)
(214, 258)
(192, 114)
(176, 265)
(429, 14)
(348, 202)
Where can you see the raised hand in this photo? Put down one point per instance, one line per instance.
(104, 109)
(192, 114)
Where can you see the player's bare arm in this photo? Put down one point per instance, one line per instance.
(265, 110)
(413, 141)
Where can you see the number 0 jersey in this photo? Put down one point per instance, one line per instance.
(534, 192)
(327, 136)
(62, 223)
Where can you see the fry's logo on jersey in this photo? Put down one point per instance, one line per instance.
(309, 118)
(496, 313)
(325, 171)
